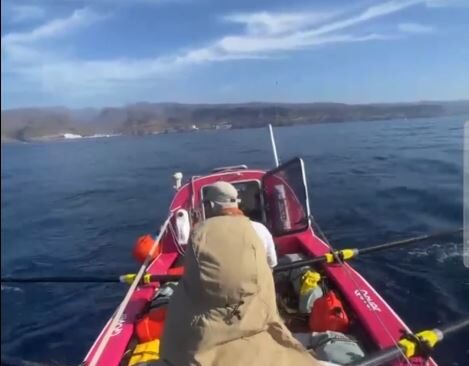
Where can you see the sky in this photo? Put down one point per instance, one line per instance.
(97, 53)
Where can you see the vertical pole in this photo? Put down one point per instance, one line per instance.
(274, 148)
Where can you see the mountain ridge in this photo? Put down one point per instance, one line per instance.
(142, 118)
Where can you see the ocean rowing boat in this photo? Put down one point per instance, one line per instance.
(278, 198)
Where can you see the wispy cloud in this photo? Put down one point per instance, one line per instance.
(27, 48)
(373, 12)
(267, 33)
(415, 28)
(21, 13)
(275, 24)
(262, 35)
(54, 28)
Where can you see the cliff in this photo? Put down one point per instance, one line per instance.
(28, 124)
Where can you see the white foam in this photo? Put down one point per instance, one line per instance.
(101, 135)
(11, 289)
(72, 136)
(441, 252)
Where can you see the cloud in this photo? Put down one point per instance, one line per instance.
(54, 28)
(275, 24)
(415, 28)
(262, 35)
(270, 33)
(21, 13)
(27, 48)
(373, 12)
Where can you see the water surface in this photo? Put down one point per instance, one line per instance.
(76, 208)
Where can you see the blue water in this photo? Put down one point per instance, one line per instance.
(76, 208)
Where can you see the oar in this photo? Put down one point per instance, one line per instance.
(343, 254)
(346, 254)
(420, 344)
(128, 278)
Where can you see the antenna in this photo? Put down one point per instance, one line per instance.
(274, 148)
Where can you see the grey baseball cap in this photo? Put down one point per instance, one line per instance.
(223, 194)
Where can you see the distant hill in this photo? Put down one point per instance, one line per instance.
(28, 124)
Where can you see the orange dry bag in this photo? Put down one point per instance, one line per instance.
(150, 327)
(143, 247)
(328, 314)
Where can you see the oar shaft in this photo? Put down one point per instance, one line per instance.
(455, 327)
(366, 250)
(398, 243)
(69, 279)
(59, 279)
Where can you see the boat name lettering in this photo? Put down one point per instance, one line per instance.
(366, 298)
(118, 329)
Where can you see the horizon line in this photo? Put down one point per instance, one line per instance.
(124, 105)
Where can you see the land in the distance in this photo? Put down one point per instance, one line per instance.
(43, 124)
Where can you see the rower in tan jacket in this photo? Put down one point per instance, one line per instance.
(223, 312)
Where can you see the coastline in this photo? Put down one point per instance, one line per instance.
(70, 137)
(53, 124)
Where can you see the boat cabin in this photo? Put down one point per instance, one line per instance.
(278, 198)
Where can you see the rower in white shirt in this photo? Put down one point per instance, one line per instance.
(268, 241)
(222, 198)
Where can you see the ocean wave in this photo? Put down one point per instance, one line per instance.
(441, 252)
(380, 158)
(11, 289)
(358, 171)
(89, 193)
(251, 151)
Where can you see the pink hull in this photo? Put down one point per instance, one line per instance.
(381, 323)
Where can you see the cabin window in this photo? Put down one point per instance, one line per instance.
(249, 193)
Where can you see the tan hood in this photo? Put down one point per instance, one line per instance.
(223, 311)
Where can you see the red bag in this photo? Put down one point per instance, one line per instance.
(328, 314)
(150, 327)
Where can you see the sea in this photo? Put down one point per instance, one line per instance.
(76, 208)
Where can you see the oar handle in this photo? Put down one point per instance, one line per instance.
(148, 278)
(165, 278)
(297, 264)
(343, 255)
